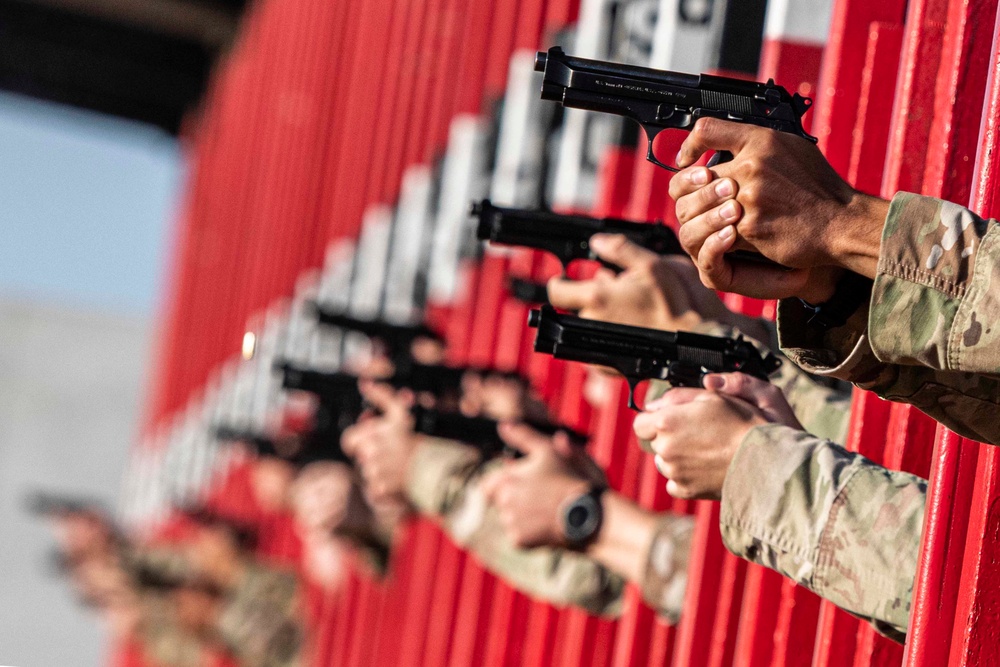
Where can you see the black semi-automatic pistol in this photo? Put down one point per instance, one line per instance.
(566, 236)
(440, 380)
(262, 445)
(397, 338)
(683, 359)
(528, 291)
(659, 100)
(481, 432)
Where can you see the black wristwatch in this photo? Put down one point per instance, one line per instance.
(851, 291)
(582, 518)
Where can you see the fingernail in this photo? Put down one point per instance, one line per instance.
(698, 176)
(724, 188)
(677, 158)
(728, 211)
(597, 241)
(725, 233)
(714, 381)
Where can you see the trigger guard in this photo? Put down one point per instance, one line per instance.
(651, 156)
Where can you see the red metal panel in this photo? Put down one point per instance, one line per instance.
(871, 136)
(974, 623)
(261, 164)
(841, 636)
(840, 79)
(959, 81)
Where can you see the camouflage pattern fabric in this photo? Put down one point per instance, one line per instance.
(664, 581)
(260, 621)
(928, 336)
(163, 639)
(443, 483)
(829, 519)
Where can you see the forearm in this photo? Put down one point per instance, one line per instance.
(625, 536)
(829, 519)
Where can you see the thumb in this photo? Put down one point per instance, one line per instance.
(618, 250)
(761, 394)
(738, 385)
(571, 294)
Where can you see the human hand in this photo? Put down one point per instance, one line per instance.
(696, 432)
(650, 292)
(778, 196)
(530, 493)
(320, 496)
(382, 444)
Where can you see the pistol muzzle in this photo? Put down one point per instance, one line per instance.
(540, 59)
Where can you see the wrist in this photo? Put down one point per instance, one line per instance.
(623, 541)
(580, 515)
(854, 237)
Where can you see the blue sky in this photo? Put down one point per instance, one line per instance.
(87, 206)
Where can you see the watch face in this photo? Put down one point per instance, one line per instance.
(577, 516)
(582, 519)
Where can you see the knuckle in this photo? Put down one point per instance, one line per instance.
(688, 237)
(681, 209)
(669, 469)
(704, 127)
(708, 274)
(752, 165)
(662, 422)
(675, 188)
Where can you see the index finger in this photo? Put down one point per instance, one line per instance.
(383, 396)
(523, 438)
(712, 134)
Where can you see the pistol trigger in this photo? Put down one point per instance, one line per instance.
(632, 384)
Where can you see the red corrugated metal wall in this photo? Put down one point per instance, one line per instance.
(311, 123)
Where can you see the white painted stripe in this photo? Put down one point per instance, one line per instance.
(805, 21)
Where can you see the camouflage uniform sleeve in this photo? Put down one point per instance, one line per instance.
(558, 576)
(937, 274)
(439, 472)
(261, 619)
(443, 482)
(921, 340)
(664, 581)
(809, 509)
